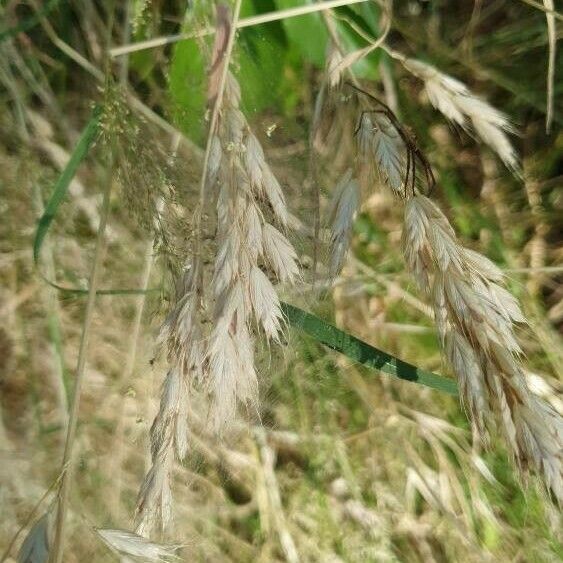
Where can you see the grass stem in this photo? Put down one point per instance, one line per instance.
(67, 463)
(215, 120)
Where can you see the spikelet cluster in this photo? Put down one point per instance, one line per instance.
(169, 431)
(382, 156)
(475, 315)
(251, 218)
(458, 104)
(382, 151)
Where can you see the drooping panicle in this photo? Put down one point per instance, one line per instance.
(458, 104)
(475, 316)
(250, 203)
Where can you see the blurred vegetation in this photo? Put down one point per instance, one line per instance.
(368, 469)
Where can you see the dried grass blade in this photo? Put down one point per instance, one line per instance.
(243, 22)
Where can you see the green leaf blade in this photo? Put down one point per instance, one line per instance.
(60, 190)
(363, 353)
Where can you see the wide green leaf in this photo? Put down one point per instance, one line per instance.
(186, 86)
(307, 32)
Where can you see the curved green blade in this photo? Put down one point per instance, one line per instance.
(363, 353)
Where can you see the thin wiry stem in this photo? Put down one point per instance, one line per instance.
(539, 6)
(59, 541)
(552, 37)
(244, 22)
(215, 121)
(53, 320)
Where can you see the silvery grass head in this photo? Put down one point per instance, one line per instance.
(475, 315)
(251, 253)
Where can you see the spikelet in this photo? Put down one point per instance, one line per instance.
(250, 202)
(132, 547)
(458, 104)
(334, 67)
(345, 205)
(381, 147)
(155, 498)
(475, 317)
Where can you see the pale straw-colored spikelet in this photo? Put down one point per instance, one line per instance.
(380, 143)
(475, 316)
(250, 201)
(334, 67)
(154, 503)
(458, 104)
(280, 254)
(133, 547)
(169, 432)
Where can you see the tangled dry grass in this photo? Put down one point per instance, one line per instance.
(338, 467)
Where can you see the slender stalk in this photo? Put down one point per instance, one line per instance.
(244, 22)
(124, 68)
(543, 8)
(59, 378)
(59, 541)
(552, 38)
